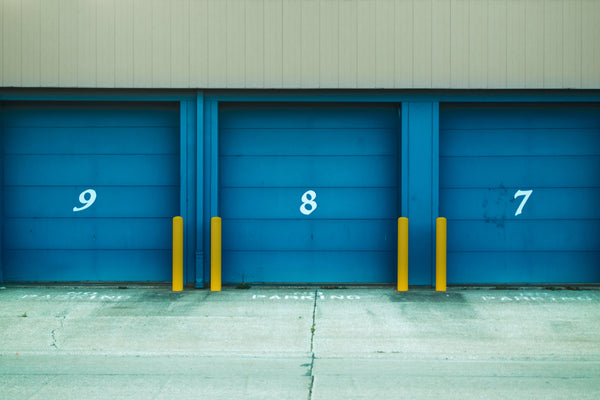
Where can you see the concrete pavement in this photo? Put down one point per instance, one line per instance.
(100, 342)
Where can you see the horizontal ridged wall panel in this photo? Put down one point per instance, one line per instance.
(300, 44)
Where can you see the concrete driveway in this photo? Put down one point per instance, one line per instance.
(100, 342)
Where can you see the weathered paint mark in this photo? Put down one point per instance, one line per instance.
(530, 298)
(305, 296)
(77, 296)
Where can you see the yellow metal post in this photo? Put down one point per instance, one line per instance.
(215, 254)
(177, 254)
(440, 254)
(402, 254)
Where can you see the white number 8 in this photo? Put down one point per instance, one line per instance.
(86, 201)
(308, 199)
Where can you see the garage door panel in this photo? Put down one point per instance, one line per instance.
(307, 171)
(315, 142)
(500, 234)
(520, 116)
(519, 142)
(271, 155)
(91, 114)
(524, 172)
(332, 203)
(306, 116)
(309, 267)
(91, 140)
(523, 267)
(87, 265)
(491, 204)
(77, 170)
(88, 233)
(56, 152)
(491, 156)
(111, 201)
(333, 235)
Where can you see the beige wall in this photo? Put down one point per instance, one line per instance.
(300, 43)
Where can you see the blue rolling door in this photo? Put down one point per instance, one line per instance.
(309, 192)
(89, 190)
(520, 186)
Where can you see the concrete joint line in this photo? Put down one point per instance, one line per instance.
(312, 341)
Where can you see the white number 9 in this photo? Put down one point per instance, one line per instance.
(86, 201)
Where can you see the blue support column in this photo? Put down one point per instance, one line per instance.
(211, 174)
(187, 195)
(214, 159)
(199, 227)
(420, 188)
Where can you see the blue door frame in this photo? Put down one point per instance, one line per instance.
(418, 171)
(419, 166)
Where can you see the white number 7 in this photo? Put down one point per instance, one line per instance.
(525, 193)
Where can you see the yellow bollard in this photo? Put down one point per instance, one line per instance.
(177, 254)
(215, 254)
(440, 254)
(402, 254)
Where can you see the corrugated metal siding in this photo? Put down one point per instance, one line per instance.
(300, 44)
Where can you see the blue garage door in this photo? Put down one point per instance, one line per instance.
(88, 191)
(309, 193)
(520, 186)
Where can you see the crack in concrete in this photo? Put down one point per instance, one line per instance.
(312, 342)
(313, 328)
(54, 343)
